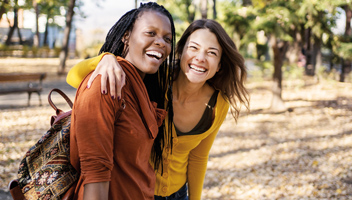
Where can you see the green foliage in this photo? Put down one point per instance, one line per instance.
(344, 50)
(237, 20)
(265, 69)
(292, 72)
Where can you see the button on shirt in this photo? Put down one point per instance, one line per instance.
(189, 157)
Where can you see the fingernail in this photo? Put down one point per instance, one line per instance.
(113, 97)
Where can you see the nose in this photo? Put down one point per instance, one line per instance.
(200, 56)
(159, 41)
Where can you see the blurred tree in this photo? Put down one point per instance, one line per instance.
(184, 10)
(15, 25)
(347, 46)
(50, 8)
(36, 35)
(64, 50)
(277, 19)
(318, 18)
(214, 10)
(204, 9)
(239, 17)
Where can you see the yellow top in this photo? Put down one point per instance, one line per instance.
(78, 72)
(189, 157)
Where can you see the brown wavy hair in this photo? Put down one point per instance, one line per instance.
(232, 74)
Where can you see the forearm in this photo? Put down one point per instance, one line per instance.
(78, 72)
(197, 166)
(96, 191)
(195, 177)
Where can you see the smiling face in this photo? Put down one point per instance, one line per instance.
(149, 42)
(201, 55)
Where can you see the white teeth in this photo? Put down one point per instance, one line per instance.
(154, 53)
(197, 68)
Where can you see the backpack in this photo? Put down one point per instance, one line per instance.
(45, 172)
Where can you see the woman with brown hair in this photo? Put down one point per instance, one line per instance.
(209, 78)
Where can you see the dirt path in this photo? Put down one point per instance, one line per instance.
(302, 154)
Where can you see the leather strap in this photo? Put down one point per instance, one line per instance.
(15, 190)
(59, 113)
(69, 102)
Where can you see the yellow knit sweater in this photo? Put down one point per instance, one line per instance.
(189, 157)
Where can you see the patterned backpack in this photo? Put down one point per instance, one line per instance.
(45, 172)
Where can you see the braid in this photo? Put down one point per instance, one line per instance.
(159, 84)
(163, 79)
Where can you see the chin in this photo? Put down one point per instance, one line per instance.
(152, 71)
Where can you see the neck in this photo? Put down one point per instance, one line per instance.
(141, 74)
(183, 90)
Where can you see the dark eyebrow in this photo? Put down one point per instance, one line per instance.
(212, 48)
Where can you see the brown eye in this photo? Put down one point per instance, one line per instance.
(151, 33)
(212, 53)
(193, 47)
(168, 39)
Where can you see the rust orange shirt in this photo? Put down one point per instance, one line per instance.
(111, 144)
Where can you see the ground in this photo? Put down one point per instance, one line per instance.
(304, 153)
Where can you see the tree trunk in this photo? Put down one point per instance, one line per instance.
(36, 35)
(309, 68)
(342, 74)
(204, 9)
(348, 30)
(317, 54)
(9, 35)
(190, 14)
(279, 50)
(65, 42)
(214, 10)
(45, 42)
(15, 25)
(295, 50)
(346, 64)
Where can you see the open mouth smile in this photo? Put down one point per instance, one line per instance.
(198, 69)
(154, 54)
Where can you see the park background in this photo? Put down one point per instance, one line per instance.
(294, 143)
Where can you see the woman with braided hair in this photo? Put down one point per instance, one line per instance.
(112, 138)
(209, 78)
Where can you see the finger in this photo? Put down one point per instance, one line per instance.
(122, 83)
(112, 88)
(112, 81)
(91, 79)
(103, 81)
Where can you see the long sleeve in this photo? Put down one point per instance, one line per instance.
(78, 72)
(93, 128)
(198, 156)
(197, 165)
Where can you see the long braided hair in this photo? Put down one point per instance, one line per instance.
(159, 84)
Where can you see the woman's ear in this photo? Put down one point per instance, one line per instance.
(219, 67)
(126, 37)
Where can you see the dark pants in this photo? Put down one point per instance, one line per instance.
(181, 194)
